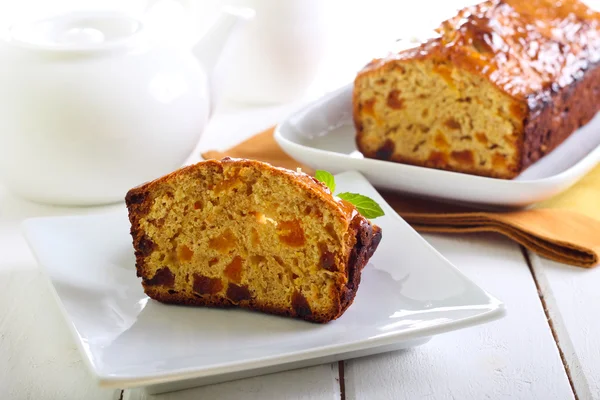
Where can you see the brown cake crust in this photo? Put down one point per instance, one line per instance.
(368, 237)
(363, 238)
(551, 122)
(542, 56)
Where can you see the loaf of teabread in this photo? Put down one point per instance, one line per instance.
(503, 84)
(244, 233)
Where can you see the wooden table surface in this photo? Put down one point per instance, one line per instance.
(547, 347)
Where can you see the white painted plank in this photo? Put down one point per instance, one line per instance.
(38, 357)
(513, 358)
(315, 383)
(572, 298)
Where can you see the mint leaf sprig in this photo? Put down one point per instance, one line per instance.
(366, 206)
(326, 178)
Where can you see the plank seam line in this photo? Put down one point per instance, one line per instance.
(550, 322)
(342, 380)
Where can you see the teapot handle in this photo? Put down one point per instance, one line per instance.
(214, 48)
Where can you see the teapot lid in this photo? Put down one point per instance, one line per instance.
(78, 31)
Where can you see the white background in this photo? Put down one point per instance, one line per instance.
(548, 346)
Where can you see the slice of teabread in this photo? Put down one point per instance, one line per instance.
(243, 233)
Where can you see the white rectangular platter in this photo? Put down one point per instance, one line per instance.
(409, 292)
(322, 135)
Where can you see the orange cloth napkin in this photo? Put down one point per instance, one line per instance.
(565, 228)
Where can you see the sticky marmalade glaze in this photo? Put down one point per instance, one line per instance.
(526, 48)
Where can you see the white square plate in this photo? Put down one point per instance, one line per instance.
(322, 135)
(408, 293)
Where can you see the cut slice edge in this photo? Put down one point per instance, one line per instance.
(244, 233)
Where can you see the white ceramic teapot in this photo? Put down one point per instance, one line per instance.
(90, 107)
